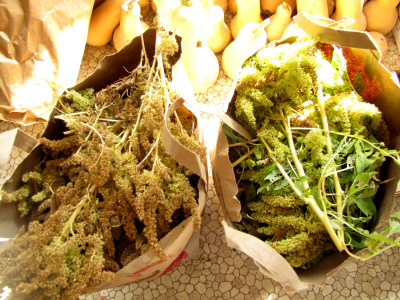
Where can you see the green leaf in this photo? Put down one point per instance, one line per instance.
(298, 185)
(229, 132)
(394, 227)
(366, 205)
(396, 215)
(328, 90)
(338, 60)
(314, 193)
(336, 224)
(369, 191)
(274, 175)
(302, 179)
(356, 241)
(252, 191)
(363, 177)
(261, 188)
(251, 162)
(380, 237)
(281, 185)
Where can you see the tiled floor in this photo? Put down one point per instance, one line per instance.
(223, 273)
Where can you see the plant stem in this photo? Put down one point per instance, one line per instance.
(242, 158)
(298, 164)
(308, 199)
(335, 177)
(68, 225)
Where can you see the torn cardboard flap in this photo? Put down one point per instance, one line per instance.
(41, 49)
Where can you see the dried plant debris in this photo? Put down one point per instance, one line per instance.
(308, 177)
(107, 191)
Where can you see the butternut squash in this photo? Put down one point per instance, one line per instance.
(204, 3)
(103, 21)
(313, 7)
(232, 6)
(270, 6)
(352, 9)
(381, 42)
(251, 38)
(219, 34)
(184, 17)
(144, 7)
(130, 25)
(381, 15)
(153, 6)
(188, 20)
(293, 30)
(331, 6)
(247, 11)
(279, 22)
(97, 3)
(200, 63)
(222, 3)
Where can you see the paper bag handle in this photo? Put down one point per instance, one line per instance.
(179, 152)
(278, 268)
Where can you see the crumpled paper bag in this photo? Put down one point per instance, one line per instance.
(41, 49)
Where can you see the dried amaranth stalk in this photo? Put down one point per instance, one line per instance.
(107, 191)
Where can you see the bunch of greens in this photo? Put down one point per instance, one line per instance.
(308, 177)
(106, 191)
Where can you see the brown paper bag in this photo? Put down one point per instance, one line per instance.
(269, 261)
(180, 244)
(41, 47)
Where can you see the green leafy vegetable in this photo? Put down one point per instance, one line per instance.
(322, 148)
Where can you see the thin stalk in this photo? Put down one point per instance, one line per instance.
(143, 50)
(156, 154)
(140, 165)
(308, 199)
(121, 143)
(238, 144)
(242, 158)
(93, 129)
(165, 90)
(289, 136)
(335, 177)
(69, 224)
(160, 72)
(101, 139)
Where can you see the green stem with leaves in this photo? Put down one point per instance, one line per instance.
(308, 199)
(335, 177)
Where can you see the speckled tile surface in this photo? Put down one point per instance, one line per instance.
(223, 273)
